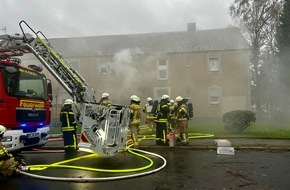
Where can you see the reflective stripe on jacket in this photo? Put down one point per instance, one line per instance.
(162, 113)
(67, 119)
(4, 154)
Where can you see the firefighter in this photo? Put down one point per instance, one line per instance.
(105, 99)
(8, 164)
(149, 116)
(172, 116)
(68, 127)
(181, 111)
(135, 119)
(161, 120)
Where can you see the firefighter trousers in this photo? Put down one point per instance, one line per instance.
(134, 129)
(70, 141)
(161, 133)
(8, 166)
(182, 128)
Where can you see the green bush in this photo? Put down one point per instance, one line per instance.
(237, 121)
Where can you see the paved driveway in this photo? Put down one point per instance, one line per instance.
(186, 168)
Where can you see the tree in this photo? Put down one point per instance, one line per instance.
(257, 19)
(283, 44)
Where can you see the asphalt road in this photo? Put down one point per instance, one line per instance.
(186, 168)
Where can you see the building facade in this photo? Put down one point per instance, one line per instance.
(208, 67)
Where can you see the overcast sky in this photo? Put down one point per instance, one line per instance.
(76, 18)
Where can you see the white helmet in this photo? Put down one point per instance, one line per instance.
(105, 95)
(164, 97)
(2, 129)
(178, 99)
(149, 99)
(135, 98)
(171, 101)
(68, 102)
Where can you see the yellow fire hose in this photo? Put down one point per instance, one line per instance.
(61, 164)
(78, 179)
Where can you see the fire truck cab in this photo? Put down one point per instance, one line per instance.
(25, 101)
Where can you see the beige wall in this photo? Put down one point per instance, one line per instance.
(139, 76)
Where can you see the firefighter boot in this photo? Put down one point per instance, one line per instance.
(135, 140)
(184, 139)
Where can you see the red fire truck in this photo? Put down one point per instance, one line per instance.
(26, 95)
(25, 101)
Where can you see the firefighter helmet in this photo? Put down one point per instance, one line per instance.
(135, 98)
(2, 129)
(178, 99)
(68, 102)
(105, 95)
(149, 99)
(164, 97)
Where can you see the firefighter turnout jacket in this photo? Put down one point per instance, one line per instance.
(69, 127)
(7, 162)
(135, 114)
(67, 119)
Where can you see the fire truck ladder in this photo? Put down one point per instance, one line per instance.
(58, 66)
(103, 133)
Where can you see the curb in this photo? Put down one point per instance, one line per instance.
(206, 144)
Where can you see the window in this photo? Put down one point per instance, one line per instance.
(162, 69)
(213, 63)
(104, 69)
(214, 95)
(159, 91)
(24, 83)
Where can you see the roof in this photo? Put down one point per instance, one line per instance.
(152, 43)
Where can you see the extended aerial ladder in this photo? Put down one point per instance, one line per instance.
(104, 128)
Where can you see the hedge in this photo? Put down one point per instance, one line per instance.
(237, 121)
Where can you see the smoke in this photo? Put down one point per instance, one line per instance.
(125, 65)
(123, 61)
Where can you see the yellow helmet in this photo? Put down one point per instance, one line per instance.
(149, 99)
(178, 99)
(135, 98)
(2, 129)
(164, 97)
(68, 102)
(105, 95)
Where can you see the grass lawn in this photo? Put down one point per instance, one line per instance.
(254, 131)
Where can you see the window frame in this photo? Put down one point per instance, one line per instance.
(217, 66)
(214, 92)
(161, 68)
(104, 67)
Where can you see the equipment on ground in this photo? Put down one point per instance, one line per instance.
(26, 95)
